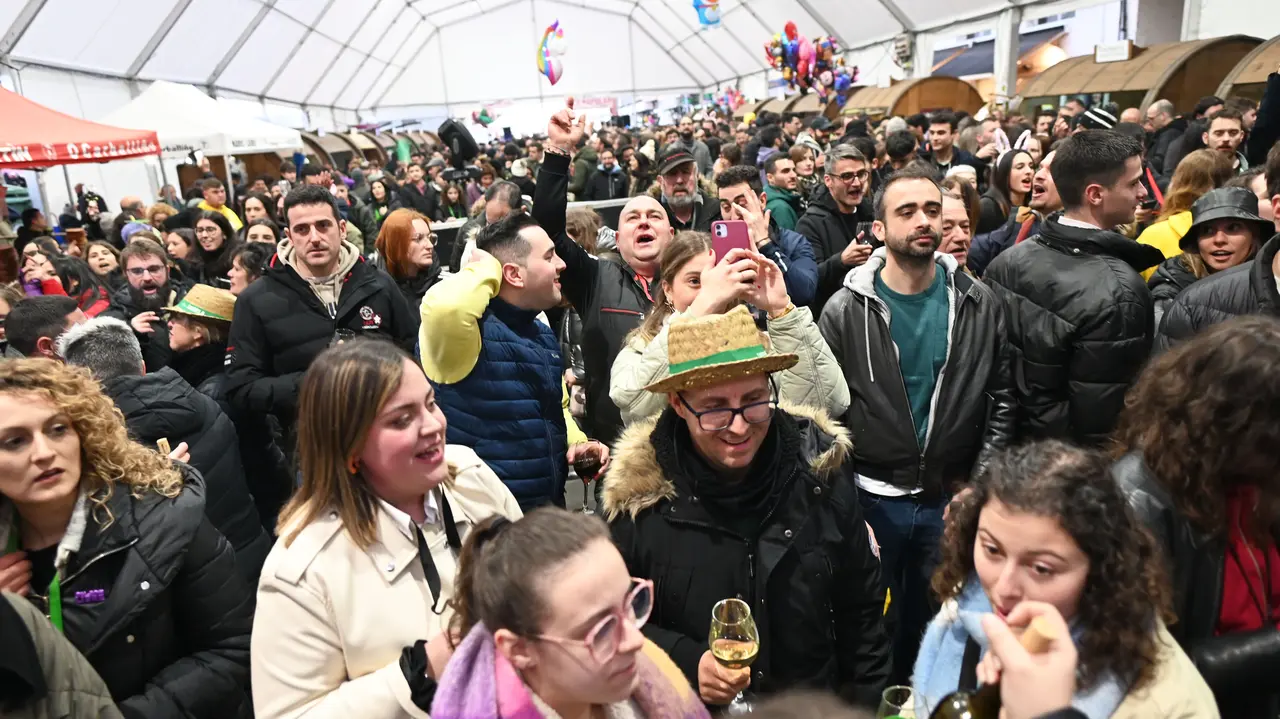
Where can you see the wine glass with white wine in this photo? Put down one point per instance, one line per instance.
(735, 642)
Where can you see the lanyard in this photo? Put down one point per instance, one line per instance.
(55, 587)
(1155, 188)
(424, 552)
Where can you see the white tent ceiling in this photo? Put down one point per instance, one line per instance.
(359, 54)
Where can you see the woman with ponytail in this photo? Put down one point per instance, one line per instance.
(549, 619)
(354, 598)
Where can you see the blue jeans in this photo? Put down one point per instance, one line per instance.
(909, 532)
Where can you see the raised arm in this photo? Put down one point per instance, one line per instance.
(550, 200)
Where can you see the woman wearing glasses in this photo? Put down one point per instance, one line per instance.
(405, 249)
(692, 286)
(548, 624)
(354, 596)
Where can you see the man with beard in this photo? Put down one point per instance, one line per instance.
(694, 147)
(1225, 133)
(832, 220)
(687, 208)
(1080, 315)
(910, 314)
(1044, 202)
(148, 289)
(610, 297)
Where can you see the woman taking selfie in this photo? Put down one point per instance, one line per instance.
(216, 244)
(375, 528)
(1010, 189)
(1045, 522)
(1225, 232)
(693, 287)
(548, 623)
(1211, 500)
(109, 540)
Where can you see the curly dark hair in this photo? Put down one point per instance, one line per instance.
(1206, 417)
(1125, 590)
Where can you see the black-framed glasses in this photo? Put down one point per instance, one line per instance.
(861, 176)
(718, 420)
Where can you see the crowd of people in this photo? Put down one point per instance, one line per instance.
(275, 450)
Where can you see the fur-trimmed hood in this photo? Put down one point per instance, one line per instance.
(635, 480)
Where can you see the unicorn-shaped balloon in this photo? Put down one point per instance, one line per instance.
(549, 51)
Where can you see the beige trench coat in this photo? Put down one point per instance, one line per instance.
(332, 619)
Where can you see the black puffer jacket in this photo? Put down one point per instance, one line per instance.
(830, 231)
(266, 470)
(1240, 668)
(280, 326)
(162, 404)
(1249, 289)
(607, 295)
(1161, 142)
(810, 576)
(413, 288)
(170, 635)
(973, 407)
(155, 345)
(1080, 325)
(1170, 278)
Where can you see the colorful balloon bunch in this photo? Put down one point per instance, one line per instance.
(550, 49)
(730, 98)
(708, 12)
(806, 64)
(482, 117)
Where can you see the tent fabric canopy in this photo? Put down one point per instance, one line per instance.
(33, 136)
(367, 54)
(186, 119)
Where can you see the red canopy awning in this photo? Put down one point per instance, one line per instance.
(32, 135)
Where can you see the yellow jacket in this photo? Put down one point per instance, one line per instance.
(226, 212)
(449, 337)
(1165, 236)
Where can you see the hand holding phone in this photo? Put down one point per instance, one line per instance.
(727, 235)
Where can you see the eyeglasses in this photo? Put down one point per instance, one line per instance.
(604, 638)
(718, 420)
(144, 271)
(847, 177)
(207, 230)
(433, 238)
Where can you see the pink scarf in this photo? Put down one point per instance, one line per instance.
(479, 683)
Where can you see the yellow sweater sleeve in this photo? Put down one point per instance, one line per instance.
(576, 435)
(449, 338)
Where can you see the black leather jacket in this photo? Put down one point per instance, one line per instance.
(973, 404)
(1240, 668)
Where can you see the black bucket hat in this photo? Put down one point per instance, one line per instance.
(1235, 203)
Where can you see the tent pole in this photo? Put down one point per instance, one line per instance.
(71, 194)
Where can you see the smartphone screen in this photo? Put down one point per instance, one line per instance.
(728, 234)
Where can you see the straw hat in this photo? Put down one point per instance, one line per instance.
(704, 351)
(206, 303)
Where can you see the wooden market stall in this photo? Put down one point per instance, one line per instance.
(810, 105)
(369, 148)
(777, 104)
(1181, 72)
(1249, 77)
(921, 94)
(748, 107)
(314, 150)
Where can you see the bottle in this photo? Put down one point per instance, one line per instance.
(985, 702)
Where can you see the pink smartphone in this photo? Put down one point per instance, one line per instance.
(728, 234)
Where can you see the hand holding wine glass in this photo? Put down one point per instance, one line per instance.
(735, 643)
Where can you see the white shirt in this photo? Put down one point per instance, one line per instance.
(404, 521)
(1064, 220)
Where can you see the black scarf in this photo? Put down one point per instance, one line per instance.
(200, 363)
(740, 505)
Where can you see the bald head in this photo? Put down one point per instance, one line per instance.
(643, 230)
(129, 203)
(1131, 114)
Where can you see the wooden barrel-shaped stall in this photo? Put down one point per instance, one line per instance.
(777, 104)
(1249, 77)
(1181, 72)
(908, 97)
(748, 107)
(369, 149)
(811, 105)
(314, 149)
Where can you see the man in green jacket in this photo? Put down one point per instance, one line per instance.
(781, 198)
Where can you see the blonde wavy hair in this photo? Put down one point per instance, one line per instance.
(108, 457)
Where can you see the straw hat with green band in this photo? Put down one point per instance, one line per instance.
(705, 351)
(205, 302)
